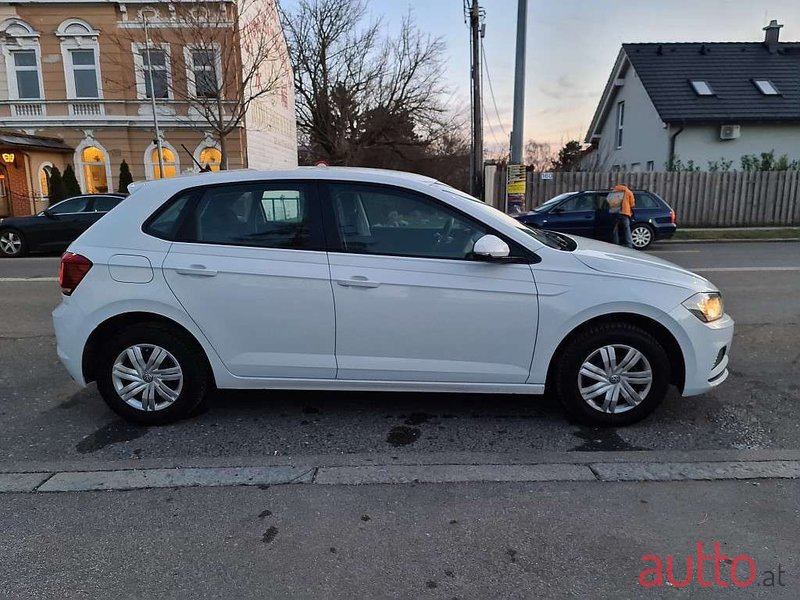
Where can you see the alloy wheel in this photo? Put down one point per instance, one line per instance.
(615, 378)
(10, 243)
(641, 236)
(147, 377)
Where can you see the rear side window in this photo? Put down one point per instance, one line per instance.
(646, 201)
(105, 203)
(258, 214)
(167, 220)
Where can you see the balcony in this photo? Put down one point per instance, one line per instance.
(27, 113)
(86, 109)
(26, 109)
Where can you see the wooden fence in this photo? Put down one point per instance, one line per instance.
(700, 199)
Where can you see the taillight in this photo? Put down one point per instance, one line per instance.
(672, 216)
(74, 268)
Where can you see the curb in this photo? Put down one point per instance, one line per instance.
(727, 241)
(638, 471)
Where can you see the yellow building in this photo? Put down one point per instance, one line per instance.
(77, 81)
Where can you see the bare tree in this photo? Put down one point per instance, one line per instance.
(359, 93)
(539, 156)
(232, 54)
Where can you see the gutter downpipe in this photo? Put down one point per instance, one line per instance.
(671, 157)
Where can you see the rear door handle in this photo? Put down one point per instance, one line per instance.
(358, 281)
(196, 271)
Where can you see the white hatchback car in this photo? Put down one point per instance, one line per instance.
(357, 279)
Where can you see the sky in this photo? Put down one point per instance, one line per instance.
(571, 48)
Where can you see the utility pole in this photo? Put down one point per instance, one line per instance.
(517, 131)
(517, 175)
(148, 62)
(477, 31)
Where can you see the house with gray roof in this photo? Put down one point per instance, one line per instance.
(708, 103)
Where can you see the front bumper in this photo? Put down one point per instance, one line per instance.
(705, 360)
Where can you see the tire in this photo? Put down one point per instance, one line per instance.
(158, 351)
(12, 244)
(643, 236)
(572, 375)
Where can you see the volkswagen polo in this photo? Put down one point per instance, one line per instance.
(354, 279)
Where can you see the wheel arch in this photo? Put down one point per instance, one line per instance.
(663, 335)
(116, 323)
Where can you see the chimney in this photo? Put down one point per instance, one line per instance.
(773, 32)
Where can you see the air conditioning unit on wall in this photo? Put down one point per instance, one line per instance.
(730, 132)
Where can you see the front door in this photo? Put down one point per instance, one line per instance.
(250, 268)
(411, 306)
(61, 224)
(575, 215)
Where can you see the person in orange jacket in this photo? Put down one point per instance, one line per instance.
(624, 217)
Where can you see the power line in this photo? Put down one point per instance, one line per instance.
(491, 91)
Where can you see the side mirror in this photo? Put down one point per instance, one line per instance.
(557, 210)
(46, 212)
(491, 247)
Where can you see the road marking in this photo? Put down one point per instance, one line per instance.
(26, 279)
(675, 251)
(736, 269)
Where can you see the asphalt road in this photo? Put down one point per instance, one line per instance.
(47, 417)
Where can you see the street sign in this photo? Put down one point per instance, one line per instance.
(547, 175)
(515, 186)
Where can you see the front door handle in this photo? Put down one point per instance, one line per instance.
(196, 271)
(358, 281)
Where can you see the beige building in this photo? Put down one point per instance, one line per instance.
(77, 81)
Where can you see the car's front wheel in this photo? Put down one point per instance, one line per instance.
(642, 236)
(12, 244)
(152, 374)
(612, 374)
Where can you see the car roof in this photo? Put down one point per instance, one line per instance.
(312, 173)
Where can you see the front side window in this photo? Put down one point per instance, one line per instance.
(84, 73)
(579, 203)
(73, 205)
(26, 72)
(95, 178)
(266, 215)
(380, 220)
(155, 70)
(204, 73)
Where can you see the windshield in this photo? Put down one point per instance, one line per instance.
(555, 200)
(548, 238)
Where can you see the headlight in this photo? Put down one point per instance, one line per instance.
(706, 306)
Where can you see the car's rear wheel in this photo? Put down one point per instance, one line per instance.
(612, 374)
(642, 236)
(152, 374)
(12, 243)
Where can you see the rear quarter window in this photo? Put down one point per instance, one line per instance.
(164, 224)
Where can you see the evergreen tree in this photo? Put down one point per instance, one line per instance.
(71, 182)
(56, 185)
(125, 177)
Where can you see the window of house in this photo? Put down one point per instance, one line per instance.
(701, 87)
(203, 76)
(94, 164)
(167, 159)
(84, 73)
(378, 220)
(44, 180)
(651, 165)
(155, 68)
(26, 70)
(766, 87)
(620, 122)
(210, 157)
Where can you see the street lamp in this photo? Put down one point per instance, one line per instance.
(143, 14)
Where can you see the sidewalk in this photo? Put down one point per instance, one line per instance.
(453, 540)
(738, 234)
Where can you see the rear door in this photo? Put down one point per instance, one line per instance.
(575, 215)
(249, 266)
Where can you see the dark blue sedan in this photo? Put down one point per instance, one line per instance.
(586, 214)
